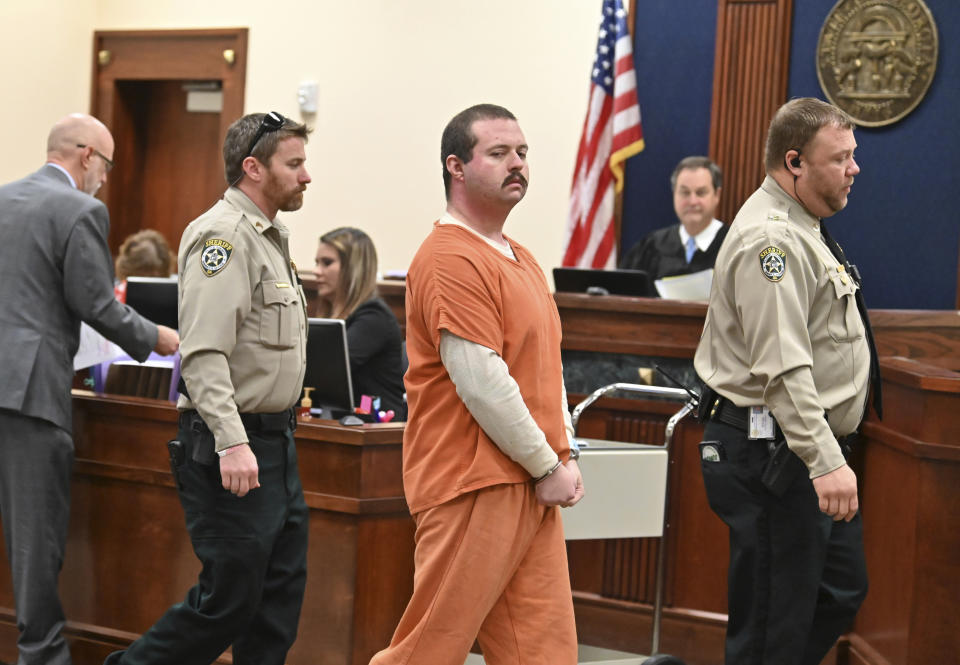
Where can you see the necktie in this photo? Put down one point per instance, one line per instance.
(691, 248)
(862, 307)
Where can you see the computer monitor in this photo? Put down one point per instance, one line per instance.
(328, 367)
(604, 282)
(154, 298)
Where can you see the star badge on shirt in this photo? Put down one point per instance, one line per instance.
(216, 253)
(773, 263)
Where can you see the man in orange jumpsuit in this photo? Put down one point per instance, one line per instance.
(486, 453)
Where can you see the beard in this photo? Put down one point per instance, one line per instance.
(836, 202)
(286, 200)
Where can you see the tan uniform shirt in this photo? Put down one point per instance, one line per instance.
(242, 317)
(783, 329)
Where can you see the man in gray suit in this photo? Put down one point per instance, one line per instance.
(55, 271)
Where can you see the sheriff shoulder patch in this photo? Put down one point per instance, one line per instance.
(215, 255)
(773, 263)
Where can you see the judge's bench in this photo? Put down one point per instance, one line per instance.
(129, 557)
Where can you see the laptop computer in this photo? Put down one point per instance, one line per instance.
(604, 282)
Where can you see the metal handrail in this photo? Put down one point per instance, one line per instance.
(671, 394)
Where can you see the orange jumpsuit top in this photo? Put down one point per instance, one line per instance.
(457, 282)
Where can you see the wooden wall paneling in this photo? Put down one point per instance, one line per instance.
(394, 293)
(750, 82)
(695, 637)
(583, 557)
(934, 630)
(698, 544)
(932, 336)
(121, 193)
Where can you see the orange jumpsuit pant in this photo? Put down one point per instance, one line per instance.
(490, 565)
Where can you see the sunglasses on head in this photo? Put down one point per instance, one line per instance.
(271, 122)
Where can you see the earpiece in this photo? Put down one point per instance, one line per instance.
(795, 162)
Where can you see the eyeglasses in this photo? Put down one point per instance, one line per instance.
(106, 160)
(271, 122)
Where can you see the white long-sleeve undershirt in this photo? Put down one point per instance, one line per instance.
(493, 398)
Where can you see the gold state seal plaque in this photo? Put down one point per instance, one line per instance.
(876, 58)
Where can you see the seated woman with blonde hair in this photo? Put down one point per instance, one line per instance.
(346, 272)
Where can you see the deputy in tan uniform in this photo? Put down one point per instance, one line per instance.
(787, 366)
(243, 324)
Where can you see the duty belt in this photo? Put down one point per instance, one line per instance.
(270, 422)
(729, 413)
(280, 421)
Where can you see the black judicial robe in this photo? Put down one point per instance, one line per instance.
(660, 254)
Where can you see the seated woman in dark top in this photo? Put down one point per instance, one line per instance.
(346, 271)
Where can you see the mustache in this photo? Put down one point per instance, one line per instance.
(515, 177)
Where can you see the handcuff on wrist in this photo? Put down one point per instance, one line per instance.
(574, 456)
(556, 466)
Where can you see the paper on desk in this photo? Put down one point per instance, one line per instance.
(94, 349)
(695, 286)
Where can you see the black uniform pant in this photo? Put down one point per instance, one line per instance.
(796, 577)
(253, 550)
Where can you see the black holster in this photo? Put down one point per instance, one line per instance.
(782, 469)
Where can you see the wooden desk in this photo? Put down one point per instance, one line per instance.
(129, 557)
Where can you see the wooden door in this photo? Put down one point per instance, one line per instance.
(169, 167)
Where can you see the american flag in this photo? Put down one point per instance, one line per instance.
(611, 134)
